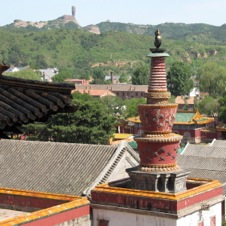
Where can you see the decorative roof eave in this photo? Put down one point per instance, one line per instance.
(137, 120)
(134, 119)
(197, 116)
(33, 84)
(184, 123)
(23, 101)
(204, 121)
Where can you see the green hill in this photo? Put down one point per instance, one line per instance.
(62, 43)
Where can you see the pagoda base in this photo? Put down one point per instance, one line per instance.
(171, 182)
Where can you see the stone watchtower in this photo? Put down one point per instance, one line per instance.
(73, 10)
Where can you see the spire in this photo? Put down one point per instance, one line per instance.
(158, 146)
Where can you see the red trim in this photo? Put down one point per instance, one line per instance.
(149, 203)
(28, 201)
(61, 217)
(213, 221)
(199, 198)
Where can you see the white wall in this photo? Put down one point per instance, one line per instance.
(203, 215)
(122, 218)
(130, 219)
(81, 221)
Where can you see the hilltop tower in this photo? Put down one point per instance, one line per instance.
(73, 10)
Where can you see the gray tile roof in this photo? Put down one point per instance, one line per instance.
(204, 167)
(205, 150)
(202, 162)
(218, 143)
(64, 168)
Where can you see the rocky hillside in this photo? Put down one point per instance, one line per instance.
(203, 33)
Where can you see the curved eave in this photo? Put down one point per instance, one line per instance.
(33, 84)
(23, 101)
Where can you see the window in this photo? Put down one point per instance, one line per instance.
(103, 223)
(213, 221)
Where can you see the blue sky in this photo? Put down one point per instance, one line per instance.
(127, 11)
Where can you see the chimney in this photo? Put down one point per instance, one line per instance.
(112, 77)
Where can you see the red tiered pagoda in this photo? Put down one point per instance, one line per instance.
(158, 146)
(158, 191)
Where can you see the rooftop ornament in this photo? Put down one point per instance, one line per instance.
(157, 43)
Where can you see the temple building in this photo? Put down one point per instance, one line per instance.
(158, 191)
(192, 125)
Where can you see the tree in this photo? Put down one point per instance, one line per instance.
(222, 108)
(98, 76)
(63, 75)
(212, 79)
(131, 106)
(41, 61)
(179, 79)
(140, 74)
(116, 107)
(91, 123)
(124, 78)
(209, 106)
(26, 74)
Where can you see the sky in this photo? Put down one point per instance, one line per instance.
(88, 12)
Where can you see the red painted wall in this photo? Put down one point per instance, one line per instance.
(61, 217)
(28, 201)
(148, 203)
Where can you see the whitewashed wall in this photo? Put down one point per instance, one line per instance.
(119, 218)
(81, 221)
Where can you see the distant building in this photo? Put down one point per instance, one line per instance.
(96, 93)
(193, 126)
(16, 69)
(185, 103)
(77, 81)
(124, 91)
(48, 74)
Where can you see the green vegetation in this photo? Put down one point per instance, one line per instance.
(117, 49)
(141, 74)
(209, 106)
(120, 49)
(26, 74)
(179, 79)
(91, 123)
(212, 79)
